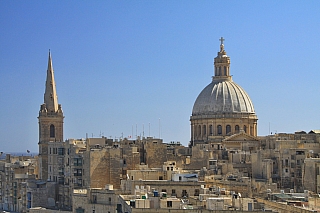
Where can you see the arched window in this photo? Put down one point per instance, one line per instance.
(237, 128)
(204, 130)
(245, 128)
(219, 130)
(228, 129)
(225, 70)
(219, 71)
(52, 131)
(210, 130)
(199, 130)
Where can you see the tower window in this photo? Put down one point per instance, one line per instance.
(245, 128)
(237, 128)
(228, 129)
(219, 130)
(52, 131)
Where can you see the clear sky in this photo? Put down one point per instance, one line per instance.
(124, 65)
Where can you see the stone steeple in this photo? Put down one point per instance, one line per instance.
(50, 95)
(50, 121)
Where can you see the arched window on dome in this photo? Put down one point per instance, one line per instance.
(237, 129)
(225, 70)
(228, 129)
(219, 130)
(210, 130)
(245, 128)
(199, 130)
(52, 131)
(219, 71)
(204, 130)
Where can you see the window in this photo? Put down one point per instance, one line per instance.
(28, 200)
(60, 151)
(160, 178)
(184, 193)
(173, 192)
(169, 203)
(225, 70)
(237, 129)
(219, 130)
(210, 130)
(77, 161)
(79, 210)
(199, 130)
(52, 131)
(228, 129)
(204, 130)
(286, 162)
(245, 128)
(77, 172)
(196, 192)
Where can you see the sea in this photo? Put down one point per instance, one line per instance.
(3, 154)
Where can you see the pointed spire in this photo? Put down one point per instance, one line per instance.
(50, 95)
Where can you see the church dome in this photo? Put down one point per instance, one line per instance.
(222, 108)
(222, 96)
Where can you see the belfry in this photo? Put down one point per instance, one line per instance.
(222, 108)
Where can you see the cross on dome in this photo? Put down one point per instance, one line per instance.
(221, 40)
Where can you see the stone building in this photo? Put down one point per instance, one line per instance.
(14, 173)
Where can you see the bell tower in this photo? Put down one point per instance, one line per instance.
(50, 121)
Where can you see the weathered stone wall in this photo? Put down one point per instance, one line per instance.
(156, 154)
(105, 167)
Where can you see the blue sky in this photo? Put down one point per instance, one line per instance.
(124, 65)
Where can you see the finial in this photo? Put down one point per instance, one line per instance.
(221, 40)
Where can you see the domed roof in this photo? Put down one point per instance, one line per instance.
(222, 97)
